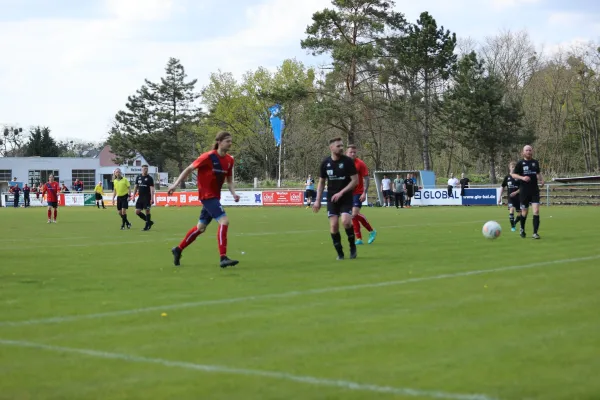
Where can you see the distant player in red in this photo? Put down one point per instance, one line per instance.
(51, 189)
(213, 168)
(360, 194)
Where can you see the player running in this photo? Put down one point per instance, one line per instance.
(144, 183)
(358, 197)
(51, 189)
(340, 174)
(213, 168)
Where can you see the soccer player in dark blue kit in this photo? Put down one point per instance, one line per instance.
(340, 174)
(528, 171)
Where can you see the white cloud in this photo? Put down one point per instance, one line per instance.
(73, 75)
(504, 4)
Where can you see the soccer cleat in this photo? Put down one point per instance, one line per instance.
(536, 236)
(226, 262)
(176, 255)
(513, 229)
(353, 253)
(358, 241)
(49, 221)
(122, 228)
(522, 233)
(372, 236)
(129, 225)
(150, 225)
(340, 257)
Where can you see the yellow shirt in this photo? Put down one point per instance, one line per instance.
(121, 186)
(98, 189)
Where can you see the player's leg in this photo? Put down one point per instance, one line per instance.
(525, 200)
(121, 212)
(124, 209)
(192, 234)
(333, 213)
(149, 221)
(49, 213)
(360, 219)
(307, 198)
(511, 215)
(355, 222)
(55, 206)
(401, 199)
(215, 209)
(535, 206)
(139, 206)
(347, 223)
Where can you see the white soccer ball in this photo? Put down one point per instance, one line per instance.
(491, 230)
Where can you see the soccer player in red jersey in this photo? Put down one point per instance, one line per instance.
(360, 194)
(213, 168)
(51, 189)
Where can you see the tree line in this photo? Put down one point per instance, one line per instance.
(38, 142)
(410, 94)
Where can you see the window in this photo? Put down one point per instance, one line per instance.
(41, 176)
(138, 163)
(6, 175)
(87, 176)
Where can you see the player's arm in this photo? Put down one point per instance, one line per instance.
(181, 178)
(540, 179)
(231, 187)
(320, 188)
(135, 189)
(152, 191)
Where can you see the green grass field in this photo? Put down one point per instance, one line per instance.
(431, 310)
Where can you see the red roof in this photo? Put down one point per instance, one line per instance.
(106, 157)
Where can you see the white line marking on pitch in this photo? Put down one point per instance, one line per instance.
(348, 385)
(54, 320)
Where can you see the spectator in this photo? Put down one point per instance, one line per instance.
(26, 200)
(452, 183)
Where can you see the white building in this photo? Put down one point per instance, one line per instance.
(34, 170)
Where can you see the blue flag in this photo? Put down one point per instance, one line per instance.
(276, 123)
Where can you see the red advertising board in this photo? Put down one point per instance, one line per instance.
(288, 198)
(177, 199)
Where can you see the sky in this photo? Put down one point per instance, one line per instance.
(70, 64)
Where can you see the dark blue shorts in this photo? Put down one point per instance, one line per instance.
(356, 200)
(211, 209)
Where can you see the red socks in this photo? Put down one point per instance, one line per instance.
(356, 226)
(361, 218)
(222, 239)
(49, 214)
(189, 237)
(55, 213)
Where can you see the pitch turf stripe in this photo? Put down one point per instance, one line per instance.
(179, 237)
(331, 289)
(342, 384)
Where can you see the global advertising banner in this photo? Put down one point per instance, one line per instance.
(437, 197)
(481, 197)
(246, 199)
(281, 198)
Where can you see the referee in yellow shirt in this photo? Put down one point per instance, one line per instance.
(99, 195)
(122, 191)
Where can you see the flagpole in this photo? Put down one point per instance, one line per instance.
(279, 161)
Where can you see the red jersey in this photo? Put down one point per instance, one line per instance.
(362, 170)
(212, 171)
(52, 189)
